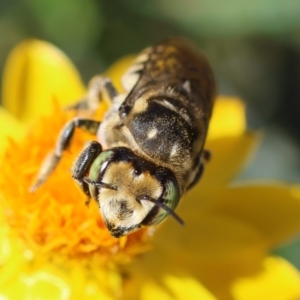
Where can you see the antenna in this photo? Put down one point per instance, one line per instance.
(163, 206)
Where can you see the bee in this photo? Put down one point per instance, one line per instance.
(148, 149)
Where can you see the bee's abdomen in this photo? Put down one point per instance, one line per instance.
(174, 62)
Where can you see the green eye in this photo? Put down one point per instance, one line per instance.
(170, 198)
(99, 165)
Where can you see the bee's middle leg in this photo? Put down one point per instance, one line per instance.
(98, 86)
(202, 159)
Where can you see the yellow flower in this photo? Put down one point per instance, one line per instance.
(54, 247)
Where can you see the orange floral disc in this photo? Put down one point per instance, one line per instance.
(55, 219)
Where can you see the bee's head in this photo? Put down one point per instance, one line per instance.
(132, 192)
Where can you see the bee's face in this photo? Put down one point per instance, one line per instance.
(126, 205)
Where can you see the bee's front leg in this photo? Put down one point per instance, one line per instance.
(98, 86)
(63, 142)
(83, 163)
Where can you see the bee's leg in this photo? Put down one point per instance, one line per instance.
(197, 176)
(82, 165)
(63, 142)
(204, 157)
(98, 86)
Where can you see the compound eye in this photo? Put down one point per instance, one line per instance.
(169, 198)
(97, 170)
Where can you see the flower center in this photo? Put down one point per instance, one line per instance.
(54, 219)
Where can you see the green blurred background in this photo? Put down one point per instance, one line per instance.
(254, 47)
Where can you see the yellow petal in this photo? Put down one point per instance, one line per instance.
(11, 260)
(210, 238)
(277, 281)
(9, 126)
(15, 290)
(40, 279)
(215, 251)
(228, 118)
(45, 285)
(37, 284)
(273, 209)
(157, 275)
(187, 288)
(35, 73)
(175, 288)
(207, 254)
(151, 290)
(229, 155)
